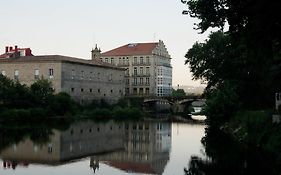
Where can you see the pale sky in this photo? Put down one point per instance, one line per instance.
(72, 27)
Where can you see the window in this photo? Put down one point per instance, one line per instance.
(82, 74)
(16, 75)
(106, 60)
(91, 75)
(98, 90)
(147, 71)
(141, 91)
(147, 60)
(141, 81)
(141, 70)
(112, 61)
(72, 74)
(111, 91)
(72, 89)
(91, 90)
(51, 73)
(146, 90)
(98, 76)
(146, 80)
(135, 71)
(135, 60)
(82, 90)
(3, 72)
(36, 74)
(141, 60)
(135, 81)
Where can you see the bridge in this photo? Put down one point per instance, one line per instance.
(177, 105)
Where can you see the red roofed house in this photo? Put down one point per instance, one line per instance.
(149, 70)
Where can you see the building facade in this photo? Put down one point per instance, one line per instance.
(84, 80)
(148, 67)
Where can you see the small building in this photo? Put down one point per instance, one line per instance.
(84, 80)
(148, 67)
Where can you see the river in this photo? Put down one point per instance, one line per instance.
(88, 147)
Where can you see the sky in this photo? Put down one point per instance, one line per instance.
(72, 28)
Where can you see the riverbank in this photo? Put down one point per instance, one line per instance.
(254, 130)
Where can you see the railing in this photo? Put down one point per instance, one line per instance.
(141, 75)
(123, 64)
(140, 84)
(141, 63)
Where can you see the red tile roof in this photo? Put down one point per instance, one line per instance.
(132, 167)
(12, 52)
(132, 49)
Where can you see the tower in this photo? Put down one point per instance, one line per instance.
(96, 53)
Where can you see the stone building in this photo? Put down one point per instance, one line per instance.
(148, 67)
(84, 80)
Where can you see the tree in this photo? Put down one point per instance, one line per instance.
(6, 90)
(178, 93)
(43, 91)
(256, 24)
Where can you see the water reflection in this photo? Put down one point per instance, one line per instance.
(147, 147)
(225, 155)
(141, 147)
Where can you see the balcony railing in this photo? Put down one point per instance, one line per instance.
(141, 63)
(140, 84)
(141, 75)
(123, 64)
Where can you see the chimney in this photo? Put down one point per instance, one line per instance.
(16, 49)
(7, 49)
(11, 48)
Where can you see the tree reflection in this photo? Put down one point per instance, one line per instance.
(39, 132)
(226, 156)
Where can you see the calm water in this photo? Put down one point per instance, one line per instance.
(88, 147)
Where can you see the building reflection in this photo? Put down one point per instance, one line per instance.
(138, 147)
(80, 140)
(147, 148)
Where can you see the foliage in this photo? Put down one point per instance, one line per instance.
(37, 101)
(63, 104)
(178, 93)
(43, 91)
(221, 104)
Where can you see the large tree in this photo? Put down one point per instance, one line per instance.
(249, 54)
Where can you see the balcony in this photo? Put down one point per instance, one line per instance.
(164, 64)
(141, 63)
(140, 84)
(123, 64)
(141, 75)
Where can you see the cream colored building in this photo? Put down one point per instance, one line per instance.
(84, 80)
(148, 67)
